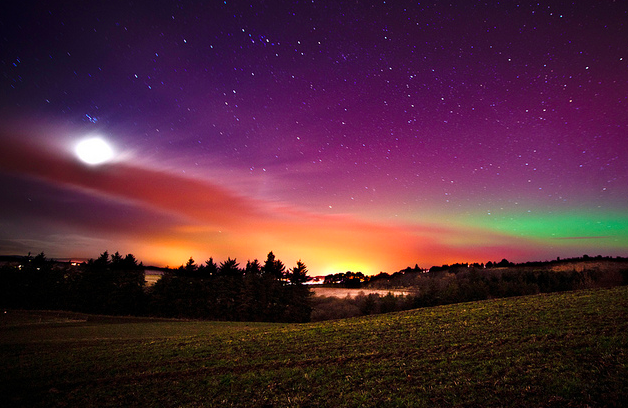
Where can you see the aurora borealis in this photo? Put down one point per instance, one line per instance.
(363, 136)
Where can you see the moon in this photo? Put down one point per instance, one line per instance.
(94, 151)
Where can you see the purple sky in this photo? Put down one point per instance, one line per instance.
(367, 136)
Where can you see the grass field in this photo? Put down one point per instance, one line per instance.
(567, 349)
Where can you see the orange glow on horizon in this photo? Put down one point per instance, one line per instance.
(198, 218)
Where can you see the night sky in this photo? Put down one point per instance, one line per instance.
(363, 136)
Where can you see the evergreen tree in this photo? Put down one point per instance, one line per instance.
(273, 267)
(210, 267)
(116, 260)
(101, 262)
(298, 274)
(190, 267)
(297, 295)
(107, 286)
(230, 267)
(253, 268)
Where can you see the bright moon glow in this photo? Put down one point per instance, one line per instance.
(94, 151)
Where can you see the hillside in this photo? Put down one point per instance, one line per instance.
(564, 349)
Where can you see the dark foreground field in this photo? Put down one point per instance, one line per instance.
(567, 349)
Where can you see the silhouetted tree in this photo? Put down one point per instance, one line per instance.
(253, 268)
(504, 263)
(298, 274)
(348, 279)
(130, 262)
(273, 267)
(208, 270)
(32, 283)
(230, 267)
(101, 262)
(298, 308)
(107, 286)
(116, 260)
(113, 284)
(190, 267)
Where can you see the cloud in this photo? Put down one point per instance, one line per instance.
(167, 214)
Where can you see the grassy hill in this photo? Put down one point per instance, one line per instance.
(564, 349)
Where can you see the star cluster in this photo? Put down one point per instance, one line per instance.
(483, 118)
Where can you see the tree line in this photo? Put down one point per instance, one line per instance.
(115, 285)
(268, 291)
(464, 282)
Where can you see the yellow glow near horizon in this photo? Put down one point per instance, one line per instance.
(343, 267)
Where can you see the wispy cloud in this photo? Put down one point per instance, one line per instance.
(202, 217)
